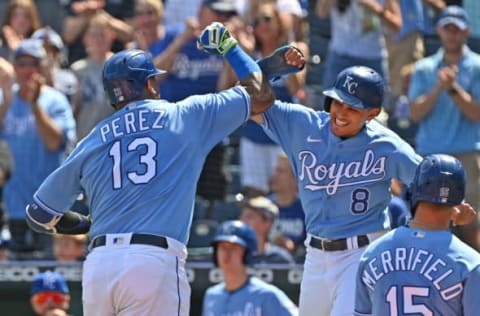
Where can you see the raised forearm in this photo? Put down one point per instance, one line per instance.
(49, 131)
(465, 102)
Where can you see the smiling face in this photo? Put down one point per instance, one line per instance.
(347, 121)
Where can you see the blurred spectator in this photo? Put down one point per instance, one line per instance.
(358, 34)
(191, 71)
(117, 12)
(58, 77)
(405, 46)
(50, 12)
(20, 21)
(177, 12)
(399, 114)
(69, 248)
(38, 125)
(50, 295)
(6, 165)
(148, 22)
(398, 209)
(431, 12)
(91, 104)
(241, 294)
(318, 39)
(445, 101)
(260, 213)
(289, 227)
(258, 153)
(290, 14)
(473, 9)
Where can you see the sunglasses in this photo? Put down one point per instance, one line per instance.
(144, 12)
(262, 19)
(43, 297)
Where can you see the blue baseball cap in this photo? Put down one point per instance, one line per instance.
(31, 47)
(456, 15)
(49, 281)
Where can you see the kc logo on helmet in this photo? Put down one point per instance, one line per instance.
(350, 85)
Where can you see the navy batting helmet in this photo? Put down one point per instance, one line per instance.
(438, 179)
(359, 87)
(125, 75)
(236, 232)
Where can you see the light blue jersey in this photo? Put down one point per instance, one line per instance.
(446, 129)
(146, 142)
(33, 160)
(416, 272)
(343, 184)
(254, 298)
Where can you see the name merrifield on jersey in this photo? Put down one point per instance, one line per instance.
(369, 169)
(416, 260)
(132, 122)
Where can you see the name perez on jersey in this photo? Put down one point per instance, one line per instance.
(132, 122)
(369, 169)
(420, 261)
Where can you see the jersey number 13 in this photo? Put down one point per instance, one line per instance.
(146, 159)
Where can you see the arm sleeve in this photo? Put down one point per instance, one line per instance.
(470, 301)
(363, 304)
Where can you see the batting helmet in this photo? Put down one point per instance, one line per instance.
(439, 179)
(236, 232)
(358, 86)
(125, 75)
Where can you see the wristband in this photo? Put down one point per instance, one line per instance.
(242, 64)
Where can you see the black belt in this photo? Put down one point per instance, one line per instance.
(142, 239)
(337, 244)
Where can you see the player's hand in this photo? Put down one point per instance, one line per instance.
(447, 76)
(216, 39)
(31, 91)
(283, 61)
(6, 81)
(464, 214)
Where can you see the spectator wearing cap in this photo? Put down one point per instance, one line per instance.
(62, 79)
(37, 123)
(49, 295)
(445, 101)
(260, 213)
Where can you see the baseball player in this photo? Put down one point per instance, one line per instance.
(423, 269)
(139, 168)
(344, 161)
(235, 246)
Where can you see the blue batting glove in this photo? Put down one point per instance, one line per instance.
(216, 39)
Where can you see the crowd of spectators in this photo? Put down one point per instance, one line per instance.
(51, 95)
